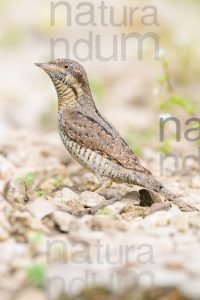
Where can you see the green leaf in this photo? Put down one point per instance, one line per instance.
(35, 275)
(166, 146)
(184, 103)
(36, 239)
(104, 211)
(40, 193)
(58, 181)
(195, 125)
(28, 180)
(177, 101)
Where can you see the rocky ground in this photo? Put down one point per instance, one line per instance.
(60, 240)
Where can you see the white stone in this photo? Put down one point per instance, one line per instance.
(40, 208)
(64, 220)
(91, 199)
(68, 195)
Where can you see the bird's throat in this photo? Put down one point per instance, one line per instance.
(67, 95)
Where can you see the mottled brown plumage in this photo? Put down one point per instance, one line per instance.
(91, 130)
(88, 136)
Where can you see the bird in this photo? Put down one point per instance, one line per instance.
(90, 139)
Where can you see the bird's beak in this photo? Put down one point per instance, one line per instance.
(46, 66)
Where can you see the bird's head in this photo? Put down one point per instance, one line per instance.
(69, 79)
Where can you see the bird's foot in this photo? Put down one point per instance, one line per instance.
(103, 186)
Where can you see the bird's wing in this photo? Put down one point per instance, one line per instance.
(94, 132)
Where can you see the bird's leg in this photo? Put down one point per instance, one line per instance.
(103, 185)
(106, 183)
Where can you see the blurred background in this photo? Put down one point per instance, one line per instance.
(132, 94)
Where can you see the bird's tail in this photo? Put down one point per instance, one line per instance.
(149, 182)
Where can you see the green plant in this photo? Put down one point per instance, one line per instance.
(26, 182)
(166, 78)
(171, 99)
(177, 101)
(36, 239)
(104, 211)
(166, 146)
(58, 182)
(35, 275)
(40, 193)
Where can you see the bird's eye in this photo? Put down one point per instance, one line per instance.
(66, 67)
